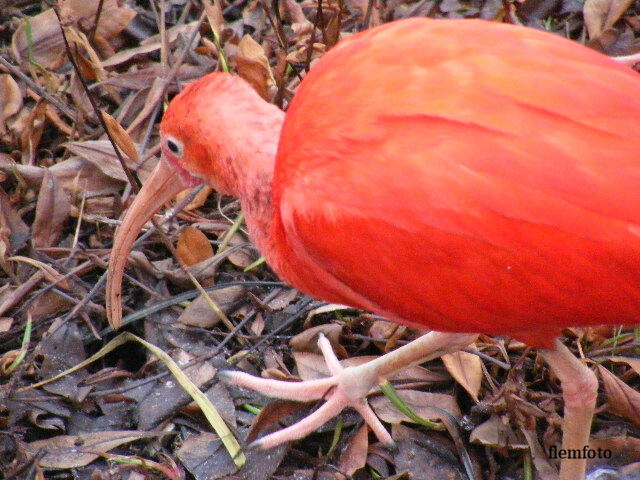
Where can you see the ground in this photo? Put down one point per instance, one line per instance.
(123, 415)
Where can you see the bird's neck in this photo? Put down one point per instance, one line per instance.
(256, 161)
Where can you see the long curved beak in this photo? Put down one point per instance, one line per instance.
(163, 185)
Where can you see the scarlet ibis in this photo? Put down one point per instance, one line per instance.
(457, 175)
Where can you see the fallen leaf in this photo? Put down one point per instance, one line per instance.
(624, 449)
(466, 369)
(41, 35)
(199, 199)
(168, 396)
(50, 273)
(13, 231)
(101, 154)
(283, 299)
(354, 456)
(307, 341)
(213, 10)
(539, 456)
(199, 314)
(426, 404)
(271, 414)
(32, 132)
(52, 210)
(73, 173)
(622, 400)
(193, 246)
(10, 100)
(424, 456)
(253, 66)
(240, 256)
(205, 457)
(497, 433)
(633, 362)
(73, 451)
(121, 137)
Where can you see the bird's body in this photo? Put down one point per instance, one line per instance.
(478, 185)
(461, 176)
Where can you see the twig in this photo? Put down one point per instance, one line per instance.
(97, 20)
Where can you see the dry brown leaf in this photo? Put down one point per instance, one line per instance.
(193, 246)
(49, 303)
(11, 297)
(73, 451)
(633, 362)
(199, 199)
(294, 11)
(240, 257)
(74, 174)
(166, 269)
(283, 299)
(126, 55)
(200, 314)
(253, 66)
(497, 433)
(310, 366)
(272, 413)
(5, 324)
(50, 273)
(426, 404)
(466, 369)
(624, 450)
(101, 154)
(256, 327)
(52, 210)
(213, 11)
(600, 15)
(381, 330)
(307, 341)
(47, 45)
(121, 137)
(32, 133)
(13, 231)
(539, 456)
(354, 457)
(154, 96)
(424, 456)
(10, 100)
(204, 456)
(623, 400)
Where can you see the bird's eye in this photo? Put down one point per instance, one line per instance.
(173, 146)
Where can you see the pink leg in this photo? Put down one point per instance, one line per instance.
(579, 391)
(630, 60)
(347, 387)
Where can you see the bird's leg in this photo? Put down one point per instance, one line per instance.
(579, 391)
(346, 387)
(630, 60)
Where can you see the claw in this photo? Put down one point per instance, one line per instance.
(346, 387)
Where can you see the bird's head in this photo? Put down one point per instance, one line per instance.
(212, 133)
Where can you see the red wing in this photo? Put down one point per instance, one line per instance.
(490, 185)
(468, 235)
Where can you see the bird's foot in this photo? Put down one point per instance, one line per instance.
(346, 387)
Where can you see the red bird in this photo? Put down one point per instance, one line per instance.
(456, 175)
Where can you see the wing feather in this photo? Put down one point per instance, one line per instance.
(492, 189)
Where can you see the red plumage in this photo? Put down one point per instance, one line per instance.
(463, 191)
